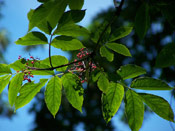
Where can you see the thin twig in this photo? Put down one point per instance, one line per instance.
(56, 67)
(50, 60)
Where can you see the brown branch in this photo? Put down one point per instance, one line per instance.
(56, 67)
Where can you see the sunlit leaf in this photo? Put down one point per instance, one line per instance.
(73, 90)
(71, 30)
(130, 71)
(147, 83)
(4, 69)
(120, 33)
(142, 20)
(28, 92)
(53, 95)
(111, 100)
(4, 80)
(103, 82)
(104, 52)
(32, 38)
(76, 4)
(17, 65)
(48, 13)
(159, 105)
(134, 109)
(71, 17)
(67, 43)
(14, 87)
(167, 56)
(119, 48)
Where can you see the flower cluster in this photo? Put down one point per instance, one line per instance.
(27, 74)
(81, 66)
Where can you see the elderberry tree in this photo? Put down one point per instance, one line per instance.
(65, 34)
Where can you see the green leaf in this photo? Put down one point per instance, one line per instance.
(76, 4)
(71, 17)
(159, 105)
(48, 13)
(71, 30)
(67, 43)
(142, 20)
(147, 83)
(134, 109)
(73, 90)
(167, 56)
(95, 75)
(44, 26)
(120, 33)
(17, 65)
(111, 100)
(32, 38)
(28, 92)
(104, 52)
(57, 60)
(130, 71)
(119, 48)
(14, 87)
(53, 95)
(103, 82)
(4, 80)
(96, 35)
(4, 69)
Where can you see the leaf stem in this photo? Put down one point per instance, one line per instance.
(50, 60)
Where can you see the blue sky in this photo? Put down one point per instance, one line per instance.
(15, 21)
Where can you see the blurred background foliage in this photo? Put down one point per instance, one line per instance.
(5, 110)
(144, 53)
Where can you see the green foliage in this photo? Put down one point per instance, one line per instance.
(147, 83)
(14, 87)
(73, 90)
(32, 38)
(76, 4)
(111, 100)
(4, 69)
(65, 34)
(27, 92)
(4, 80)
(159, 105)
(62, 60)
(134, 110)
(166, 52)
(53, 94)
(120, 33)
(72, 30)
(104, 52)
(142, 20)
(47, 15)
(130, 71)
(67, 43)
(119, 48)
(103, 82)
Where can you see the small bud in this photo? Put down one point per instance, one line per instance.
(32, 62)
